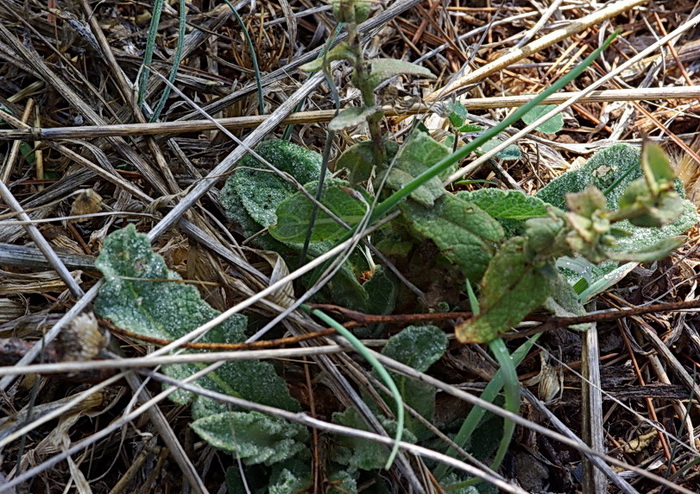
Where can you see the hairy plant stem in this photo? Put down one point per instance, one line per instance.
(361, 78)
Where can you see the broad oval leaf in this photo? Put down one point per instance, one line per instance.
(294, 213)
(418, 347)
(511, 288)
(506, 204)
(142, 295)
(361, 453)
(464, 233)
(418, 154)
(254, 192)
(252, 436)
(456, 113)
(612, 170)
(358, 159)
(510, 153)
(551, 126)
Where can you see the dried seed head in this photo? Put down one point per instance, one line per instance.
(87, 202)
(82, 340)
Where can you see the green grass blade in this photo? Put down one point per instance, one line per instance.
(176, 61)
(253, 57)
(148, 52)
(319, 191)
(489, 394)
(381, 371)
(512, 393)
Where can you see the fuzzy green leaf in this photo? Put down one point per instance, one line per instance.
(648, 253)
(252, 436)
(511, 289)
(294, 213)
(551, 126)
(382, 69)
(464, 233)
(253, 193)
(656, 167)
(359, 160)
(510, 153)
(293, 475)
(456, 114)
(142, 295)
(506, 204)
(612, 170)
(418, 347)
(342, 482)
(418, 154)
(352, 117)
(359, 453)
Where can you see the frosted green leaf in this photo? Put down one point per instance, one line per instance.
(418, 347)
(142, 295)
(612, 170)
(254, 191)
(352, 117)
(382, 69)
(293, 475)
(506, 204)
(464, 233)
(551, 126)
(342, 482)
(361, 453)
(418, 154)
(615, 166)
(510, 290)
(294, 213)
(648, 253)
(510, 153)
(252, 436)
(251, 197)
(641, 237)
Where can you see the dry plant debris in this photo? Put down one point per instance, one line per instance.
(82, 158)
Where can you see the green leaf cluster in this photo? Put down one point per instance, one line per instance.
(640, 195)
(255, 199)
(142, 295)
